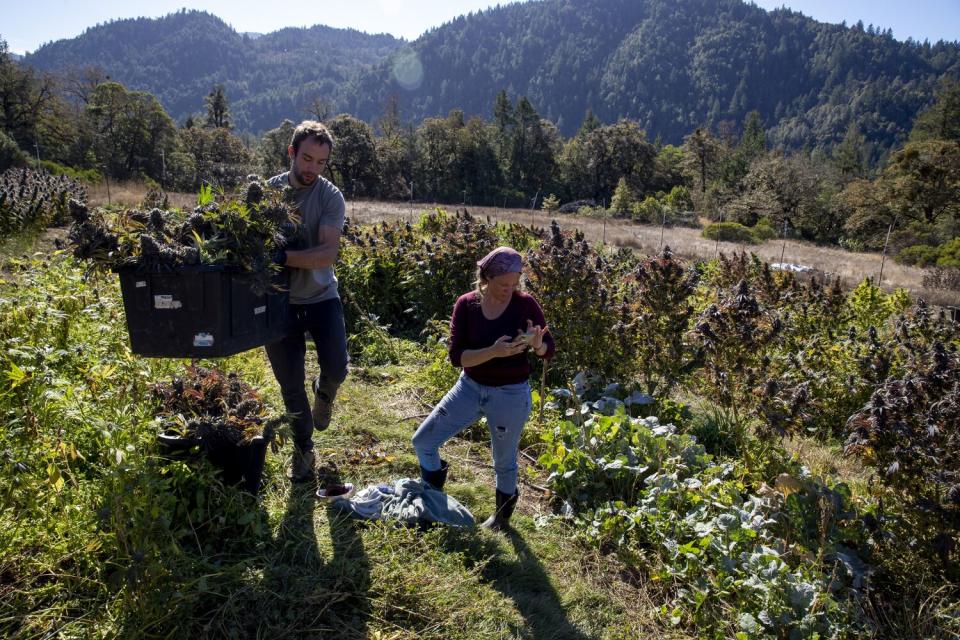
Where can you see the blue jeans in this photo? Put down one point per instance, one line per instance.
(324, 322)
(506, 408)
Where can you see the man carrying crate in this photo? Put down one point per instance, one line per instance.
(315, 306)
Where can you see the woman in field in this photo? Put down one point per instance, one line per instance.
(492, 329)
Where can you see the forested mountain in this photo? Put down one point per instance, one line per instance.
(180, 57)
(671, 65)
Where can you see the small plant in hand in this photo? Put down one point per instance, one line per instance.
(215, 407)
(525, 337)
(246, 233)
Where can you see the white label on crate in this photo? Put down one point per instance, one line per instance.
(258, 310)
(166, 302)
(203, 340)
(141, 284)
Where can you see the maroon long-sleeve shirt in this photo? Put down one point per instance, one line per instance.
(469, 329)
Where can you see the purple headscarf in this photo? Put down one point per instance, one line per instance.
(500, 261)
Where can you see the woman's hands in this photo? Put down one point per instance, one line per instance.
(533, 337)
(505, 347)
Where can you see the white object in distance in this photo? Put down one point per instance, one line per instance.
(787, 266)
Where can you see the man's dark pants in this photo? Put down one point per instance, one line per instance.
(324, 322)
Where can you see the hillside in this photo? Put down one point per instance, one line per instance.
(181, 56)
(671, 65)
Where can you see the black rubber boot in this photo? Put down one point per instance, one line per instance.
(436, 479)
(506, 503)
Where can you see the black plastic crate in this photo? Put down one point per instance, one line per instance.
(200, 311)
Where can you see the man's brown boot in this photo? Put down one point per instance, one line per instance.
(301, 469)
(322, 409)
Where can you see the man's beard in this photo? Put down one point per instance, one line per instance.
(300, 179)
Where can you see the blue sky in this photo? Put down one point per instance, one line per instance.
(918, 19)
(25, 29)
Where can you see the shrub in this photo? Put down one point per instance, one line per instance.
(89, 176)
(671, 208)
(575, 206)
(35, 197)
(949, 255)
(855, 245)
(593, 212)
(405, 278)
(763, 231)
(550, 203)
(813, 386)
(919, 255)
(734, 336)
(156, 198)
(679, 199)
(908, 433)
(869, 306)
(648, 210)
(573, 284)
(10, 154)
(661, 310)
(729, 232)
(728, 271)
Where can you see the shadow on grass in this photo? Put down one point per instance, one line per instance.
(523, 580)
(212, 564)
(309, 595)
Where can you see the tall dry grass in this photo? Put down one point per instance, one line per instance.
(132, 193)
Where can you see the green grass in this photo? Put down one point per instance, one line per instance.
(316, 573)
(441, 583)
(29, 240)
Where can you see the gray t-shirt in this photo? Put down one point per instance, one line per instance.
(320, 204)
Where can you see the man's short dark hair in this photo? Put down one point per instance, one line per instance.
(310, 129)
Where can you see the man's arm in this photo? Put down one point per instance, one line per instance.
(323, 254)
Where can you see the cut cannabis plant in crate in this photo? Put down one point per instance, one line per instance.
(222, 415)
